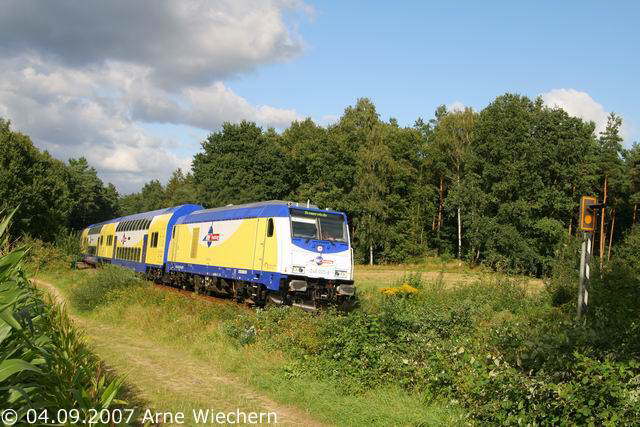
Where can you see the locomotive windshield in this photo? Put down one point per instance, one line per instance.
(318, 225)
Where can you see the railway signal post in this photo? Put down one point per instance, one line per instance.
(588, 206)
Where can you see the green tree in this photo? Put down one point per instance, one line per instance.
(180, 189)
(632, 161)
(240, 164)
(36, 182)
(611, 171)
(92, 202)
(453, 137)
(523, 169)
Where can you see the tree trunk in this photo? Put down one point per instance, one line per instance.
(441, 203)
(602, 230)
(371, 254)
(635, 209)
(613, 223)
(459, 234)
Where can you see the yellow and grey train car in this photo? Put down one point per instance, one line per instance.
(276, 249)
(138, 242)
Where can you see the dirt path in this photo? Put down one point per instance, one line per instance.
(171, 380)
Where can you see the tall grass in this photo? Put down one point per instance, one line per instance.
(44, 362)
(100, 288)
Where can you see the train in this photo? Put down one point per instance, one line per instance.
(272, 251)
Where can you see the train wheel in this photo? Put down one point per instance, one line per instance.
(197, 284)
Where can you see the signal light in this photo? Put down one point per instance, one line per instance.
(588, 206)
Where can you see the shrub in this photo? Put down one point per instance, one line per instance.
(44, 256)
(508, 357)
(562, 285)
(103, 286)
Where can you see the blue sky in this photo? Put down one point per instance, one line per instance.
(135, 86)
(412, 57)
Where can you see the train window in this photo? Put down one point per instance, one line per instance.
(305, 228)
(147, 224)
(332, 228)
(154, 239)
(270, 227)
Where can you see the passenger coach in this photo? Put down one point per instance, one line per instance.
(269, 250)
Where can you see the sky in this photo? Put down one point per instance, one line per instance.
(136, 86)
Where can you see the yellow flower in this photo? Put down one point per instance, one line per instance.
(402, 290)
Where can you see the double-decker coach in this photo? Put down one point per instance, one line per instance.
(138, 241)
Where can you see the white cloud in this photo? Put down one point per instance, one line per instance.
(582, 105)
(206, 108)
(184, 42)
(85, 80)
(455, 106)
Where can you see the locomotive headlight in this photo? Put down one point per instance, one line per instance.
(297, 269)
(342, 274)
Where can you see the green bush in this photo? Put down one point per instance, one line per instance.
(562, 285)
(508, 357)
(68, 242)
(44, 256)
(103, 286)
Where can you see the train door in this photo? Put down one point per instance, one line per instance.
(115, 243)
(144, 249)
(261, 234)
(265, 248)
(174, 242)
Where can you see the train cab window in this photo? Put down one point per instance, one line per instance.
(305, 228)
(270, 227)
(333, 228)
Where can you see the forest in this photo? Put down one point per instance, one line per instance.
(498, 187)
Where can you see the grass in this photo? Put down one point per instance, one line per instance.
(449, 273)
(176, 335)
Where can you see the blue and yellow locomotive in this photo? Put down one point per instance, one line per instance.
(254, 252)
